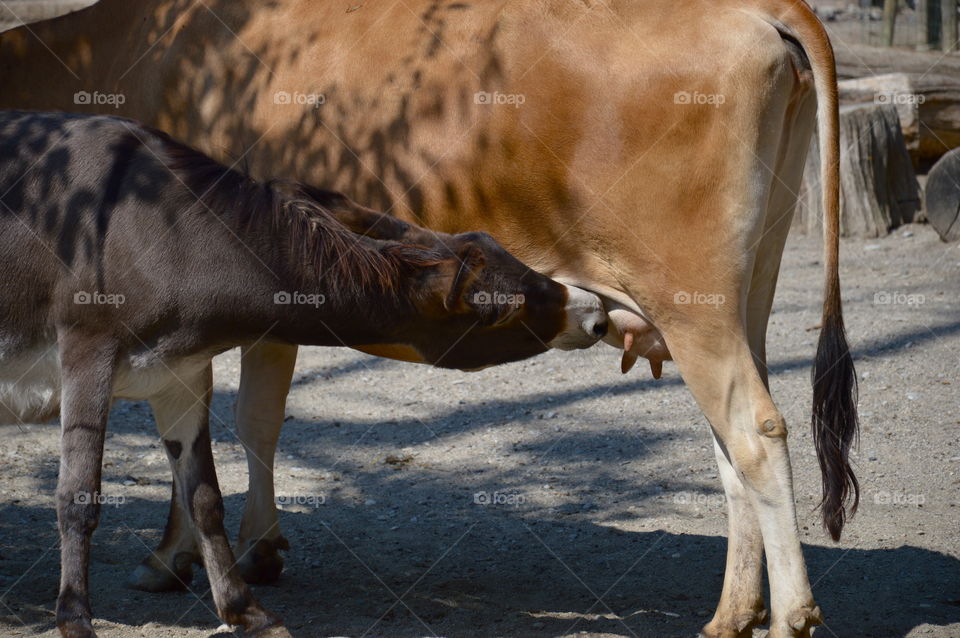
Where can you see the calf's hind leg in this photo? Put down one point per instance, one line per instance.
(266, 372)
(187, 442)
(87, 368)
(170, 566)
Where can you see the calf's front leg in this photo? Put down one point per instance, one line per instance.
(87, 367)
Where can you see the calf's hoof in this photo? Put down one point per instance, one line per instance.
(262, 563)
(276, 631)
(76, 629)
(739, 626)
(153, 576)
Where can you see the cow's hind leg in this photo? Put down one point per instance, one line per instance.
(751, 436)
(265, 374)
(87, 368)
(741, 601)
(187, 442)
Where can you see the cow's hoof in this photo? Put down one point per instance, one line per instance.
(76, 629)
(799, 623)
(153, 576)
(739, 626)
(262, 563)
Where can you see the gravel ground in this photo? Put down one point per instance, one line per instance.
(600, 509)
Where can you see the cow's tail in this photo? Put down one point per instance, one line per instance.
(835, 424)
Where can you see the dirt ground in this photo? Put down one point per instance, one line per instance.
(604, 515)
(553, 497)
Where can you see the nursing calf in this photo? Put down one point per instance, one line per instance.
(129, 260)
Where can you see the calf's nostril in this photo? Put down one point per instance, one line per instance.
(600, 329)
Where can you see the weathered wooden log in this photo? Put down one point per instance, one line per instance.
(943, 196)
(928, 106)
(878, 187)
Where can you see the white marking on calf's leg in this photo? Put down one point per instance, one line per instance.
(169, 567)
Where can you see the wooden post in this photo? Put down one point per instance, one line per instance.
(948, 40)
(923, 23)
(889, 21)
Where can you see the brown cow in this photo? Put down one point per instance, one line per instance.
(649, 151)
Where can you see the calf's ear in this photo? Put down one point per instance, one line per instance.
(466, 267)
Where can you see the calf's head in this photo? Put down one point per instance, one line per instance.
(480, 306)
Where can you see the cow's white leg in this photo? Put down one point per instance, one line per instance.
(751, 436)
(265, 374)
(741, 602)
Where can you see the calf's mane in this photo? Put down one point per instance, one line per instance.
(300, 215)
